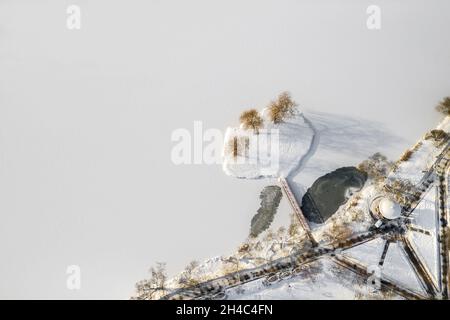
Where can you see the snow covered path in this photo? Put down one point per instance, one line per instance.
(311, 150)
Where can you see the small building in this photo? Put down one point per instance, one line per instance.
(382, 207)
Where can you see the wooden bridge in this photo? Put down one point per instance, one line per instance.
(298, 212)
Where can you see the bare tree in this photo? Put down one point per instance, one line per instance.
(187, 278)
(235, 262)
(444, 106)
(251, 119)
(376, 166)
(282, 108)
(146, 289)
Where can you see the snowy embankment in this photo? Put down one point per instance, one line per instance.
(275, 151)
(422, 157)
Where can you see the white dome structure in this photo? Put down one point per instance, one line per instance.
(389, 209)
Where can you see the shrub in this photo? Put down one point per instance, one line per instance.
(244, 248)
(444, 106)
(437, 135)
(282, 108)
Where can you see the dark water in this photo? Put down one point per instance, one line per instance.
(331, 191)
(270, 200)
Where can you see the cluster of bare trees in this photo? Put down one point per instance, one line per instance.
(156, 286)
(279, 110)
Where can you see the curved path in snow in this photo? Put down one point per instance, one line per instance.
(301, 164)
(311, 150)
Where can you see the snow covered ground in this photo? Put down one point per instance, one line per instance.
(397, 268)
(426, 217)
(322, 280)
(422, 158)
(293, 139)
(369, 253)
(311, 145)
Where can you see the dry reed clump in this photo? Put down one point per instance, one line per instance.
(406, 155)
(337, 231)
(237, 146)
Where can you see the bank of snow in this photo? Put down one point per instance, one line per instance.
(274, 151)
(422, 158)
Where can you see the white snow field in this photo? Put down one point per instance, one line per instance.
(426, 217)
(368, 253)
(396, 266)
